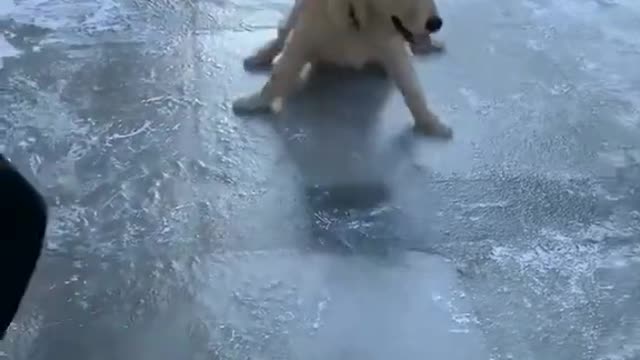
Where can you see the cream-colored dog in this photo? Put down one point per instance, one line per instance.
(354, 33)
(263, 58)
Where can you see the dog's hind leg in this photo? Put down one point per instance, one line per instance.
(263, 58)
(284, 79)
(397, 62)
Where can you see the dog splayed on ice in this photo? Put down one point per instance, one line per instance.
(351, 33)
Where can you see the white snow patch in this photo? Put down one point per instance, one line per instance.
(602, 231)
(87, 15)
(6, 50)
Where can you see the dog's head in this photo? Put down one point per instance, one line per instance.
(410, 18)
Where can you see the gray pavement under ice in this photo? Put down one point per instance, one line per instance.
(182, 231)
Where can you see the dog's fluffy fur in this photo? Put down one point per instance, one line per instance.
(351, 33)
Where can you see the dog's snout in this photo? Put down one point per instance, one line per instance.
(434, 24)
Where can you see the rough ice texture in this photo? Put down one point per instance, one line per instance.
(152, 179)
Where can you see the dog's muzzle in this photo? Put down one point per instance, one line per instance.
(406, 34)
(433, 24)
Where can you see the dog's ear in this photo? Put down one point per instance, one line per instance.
(349, 14)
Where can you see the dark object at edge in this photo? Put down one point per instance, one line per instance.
(23, 222)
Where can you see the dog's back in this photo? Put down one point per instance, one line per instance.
(332, 41)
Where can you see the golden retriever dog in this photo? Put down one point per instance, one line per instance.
(354, 33)
(263, 58)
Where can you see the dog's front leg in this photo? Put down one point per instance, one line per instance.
(263, 58)
(283, 80)
(397, 62)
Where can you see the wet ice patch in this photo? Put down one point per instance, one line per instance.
(554, 282)
(486, 205)
(58, 128)
(6, 8)
(630, 119)
(558, 253)
(573, 255)
(614, 18)
(605, 230)
(76, 16)
(619, 159)
(623, 344)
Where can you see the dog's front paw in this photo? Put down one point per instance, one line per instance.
(432, 126)
(251, 104)
(437, 45)
(427, 45)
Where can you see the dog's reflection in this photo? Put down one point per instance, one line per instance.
(329, 126)
(331, 129)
